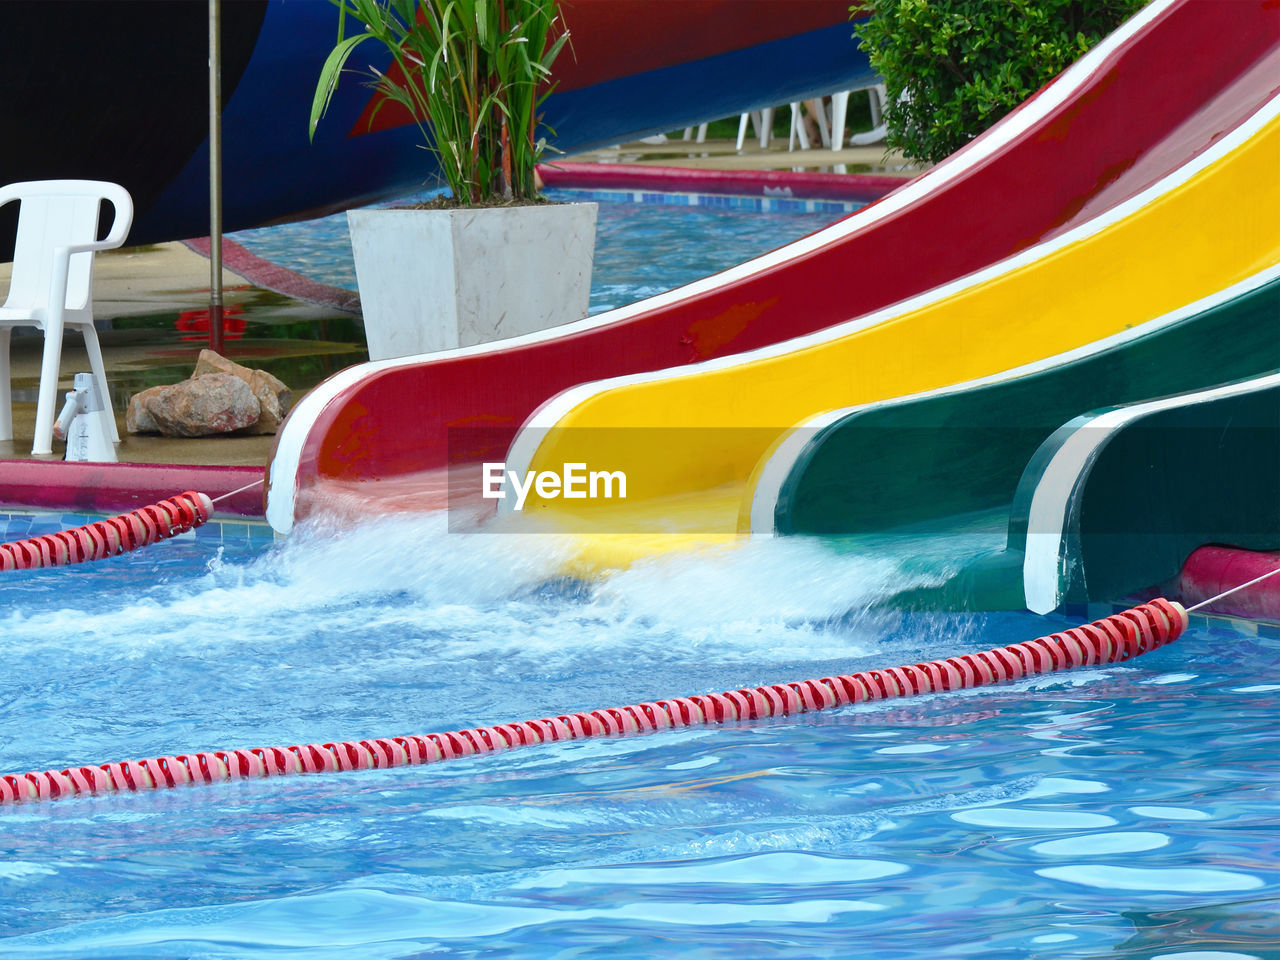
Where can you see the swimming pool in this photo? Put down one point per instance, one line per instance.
(645, 243)
(1124, 811)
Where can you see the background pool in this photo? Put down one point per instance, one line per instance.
(643, 247)
(1127, 811)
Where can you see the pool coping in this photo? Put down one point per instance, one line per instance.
(716, 201)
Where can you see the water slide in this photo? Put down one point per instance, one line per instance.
(1105, 131)
(693, 436)
(962, 449)
(957, 460)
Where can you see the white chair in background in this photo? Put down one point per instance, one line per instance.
(763, 121)
(52, 284)
(839, 110)
(702, 133)
(831, 121)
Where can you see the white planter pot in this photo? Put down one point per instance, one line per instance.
(437, 279)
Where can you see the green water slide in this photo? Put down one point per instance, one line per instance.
(920, 461)
(1116, 500)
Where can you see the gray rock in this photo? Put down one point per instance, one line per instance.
(203, 406)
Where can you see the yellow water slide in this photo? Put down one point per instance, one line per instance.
(688, 439)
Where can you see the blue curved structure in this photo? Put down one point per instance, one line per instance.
(116, 90)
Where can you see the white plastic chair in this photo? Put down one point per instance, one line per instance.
(830, 122)
(879, 97)
(52, 284)
(831, 127)
(763, 121)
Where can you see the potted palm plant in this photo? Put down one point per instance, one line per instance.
(491, 261)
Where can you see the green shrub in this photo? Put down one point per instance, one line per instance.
(964, 64)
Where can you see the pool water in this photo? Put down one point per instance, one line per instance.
(643, 247)
(1125, 811)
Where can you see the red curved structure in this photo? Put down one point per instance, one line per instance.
(1110, 640)
(1131, 112)
(1212, 571)
(117, 487)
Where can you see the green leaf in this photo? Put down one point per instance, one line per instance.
(329, 75)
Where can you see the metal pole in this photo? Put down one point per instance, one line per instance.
(215, 176)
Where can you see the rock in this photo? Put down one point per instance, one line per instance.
(137, 418)
(274, 397)
(221, 397)
(210, 362)
(272, 415)
(205, 405)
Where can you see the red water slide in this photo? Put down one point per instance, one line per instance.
(1150, 97)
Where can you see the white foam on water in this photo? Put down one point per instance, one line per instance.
(474, 595)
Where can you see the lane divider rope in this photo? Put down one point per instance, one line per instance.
(1110, 640)
(106, 538)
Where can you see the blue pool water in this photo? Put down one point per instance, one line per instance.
(1126, 811)
(642, 247)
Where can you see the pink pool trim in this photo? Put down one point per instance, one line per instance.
(1212, 570)
(271, 276)
(119, 487)
(1109, 640)
(783, 184)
